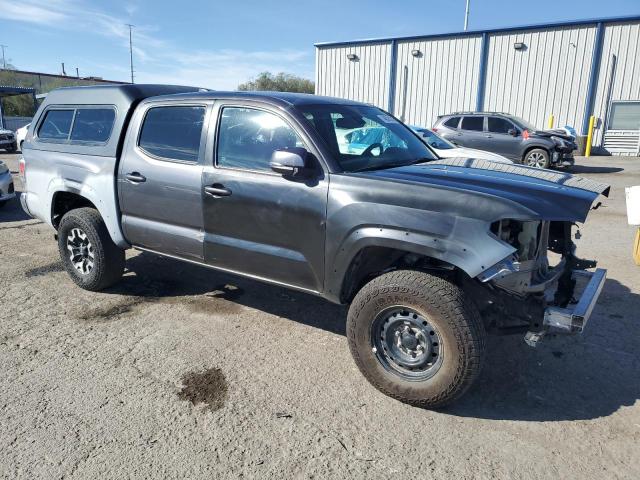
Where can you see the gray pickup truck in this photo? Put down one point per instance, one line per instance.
(431, 254)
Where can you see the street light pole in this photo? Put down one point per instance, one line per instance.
(466, 16)
(130, 49)
(4, 62)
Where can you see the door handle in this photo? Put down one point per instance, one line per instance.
(135, 177)
(217, 190)
(489, 136)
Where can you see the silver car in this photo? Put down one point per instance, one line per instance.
(8, 140)
(6, 185)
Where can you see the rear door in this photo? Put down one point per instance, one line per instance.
(263, 224)
(160, 179)
(471, 133)
(498, 138)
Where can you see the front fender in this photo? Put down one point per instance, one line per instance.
(463, 242)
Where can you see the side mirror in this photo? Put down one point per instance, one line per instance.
(289, 161)
(513, 132)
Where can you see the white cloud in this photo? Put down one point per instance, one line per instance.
(157, 60)
(30, 13)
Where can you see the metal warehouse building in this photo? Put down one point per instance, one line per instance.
(570, 70)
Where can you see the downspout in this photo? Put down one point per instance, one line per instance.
(391, 100)
(593, 77)
(482, 77)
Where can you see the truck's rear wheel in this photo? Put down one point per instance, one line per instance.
(89, 255)
(416, 338)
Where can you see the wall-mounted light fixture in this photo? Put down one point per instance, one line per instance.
(416, 53)
(353, 57)
(519, 46)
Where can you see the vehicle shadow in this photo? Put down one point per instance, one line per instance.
(589, 169)
(154, 277)
(12, 211)
(565, 378)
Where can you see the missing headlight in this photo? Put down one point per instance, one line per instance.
(523, 236)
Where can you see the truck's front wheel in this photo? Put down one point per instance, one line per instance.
(89, 255)
(416, 338)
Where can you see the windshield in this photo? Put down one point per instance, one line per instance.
(524, 124)
(433, 139)
(366, 138)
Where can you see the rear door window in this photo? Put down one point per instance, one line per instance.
(473, 123)
(56, 125)
(453, 122)
(93, 125)
(499, 125)
(173, 133)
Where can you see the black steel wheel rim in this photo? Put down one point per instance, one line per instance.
(407, 343)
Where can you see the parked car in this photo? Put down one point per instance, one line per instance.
(431, 254)
(510, 136)
(445, 149)
(6, 185)
(21, 134)
(8, 140)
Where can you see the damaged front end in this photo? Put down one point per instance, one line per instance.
(542, 287)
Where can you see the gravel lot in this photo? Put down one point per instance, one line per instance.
(181, 371)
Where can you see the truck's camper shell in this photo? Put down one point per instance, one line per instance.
(123, 98)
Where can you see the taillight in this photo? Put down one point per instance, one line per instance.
(526, 135)
(22, 168)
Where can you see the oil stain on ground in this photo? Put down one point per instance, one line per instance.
(110, 312)
(44, 270)
(208, 387)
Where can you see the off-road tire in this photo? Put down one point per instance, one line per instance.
(109, 259)
(541, 154)
(444, 304)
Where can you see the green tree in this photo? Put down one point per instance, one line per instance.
(282, 82)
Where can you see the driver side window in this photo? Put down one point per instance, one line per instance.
(247, 138)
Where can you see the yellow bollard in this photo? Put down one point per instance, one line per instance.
(636, 248)
(587, 150)
(551, 121)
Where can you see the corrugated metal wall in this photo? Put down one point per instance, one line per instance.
(623, 41)
(442, 79)
(365, 80)
(549, 76)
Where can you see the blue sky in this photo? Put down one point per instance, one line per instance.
(218, 44)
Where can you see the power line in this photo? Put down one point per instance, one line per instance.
(130, 49)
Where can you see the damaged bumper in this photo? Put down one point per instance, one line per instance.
(572, 319)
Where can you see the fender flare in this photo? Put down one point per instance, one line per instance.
(108, 212)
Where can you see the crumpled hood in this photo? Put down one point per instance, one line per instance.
(549, 195)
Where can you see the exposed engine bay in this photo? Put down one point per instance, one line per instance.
(533, 290)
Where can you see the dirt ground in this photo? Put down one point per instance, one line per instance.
(183, 372)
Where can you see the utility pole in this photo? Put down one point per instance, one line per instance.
(466, 16)
(4, 62)
(130, 49)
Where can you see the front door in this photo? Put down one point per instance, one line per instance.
(160, 180)
(256, 221)
(500, 140)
